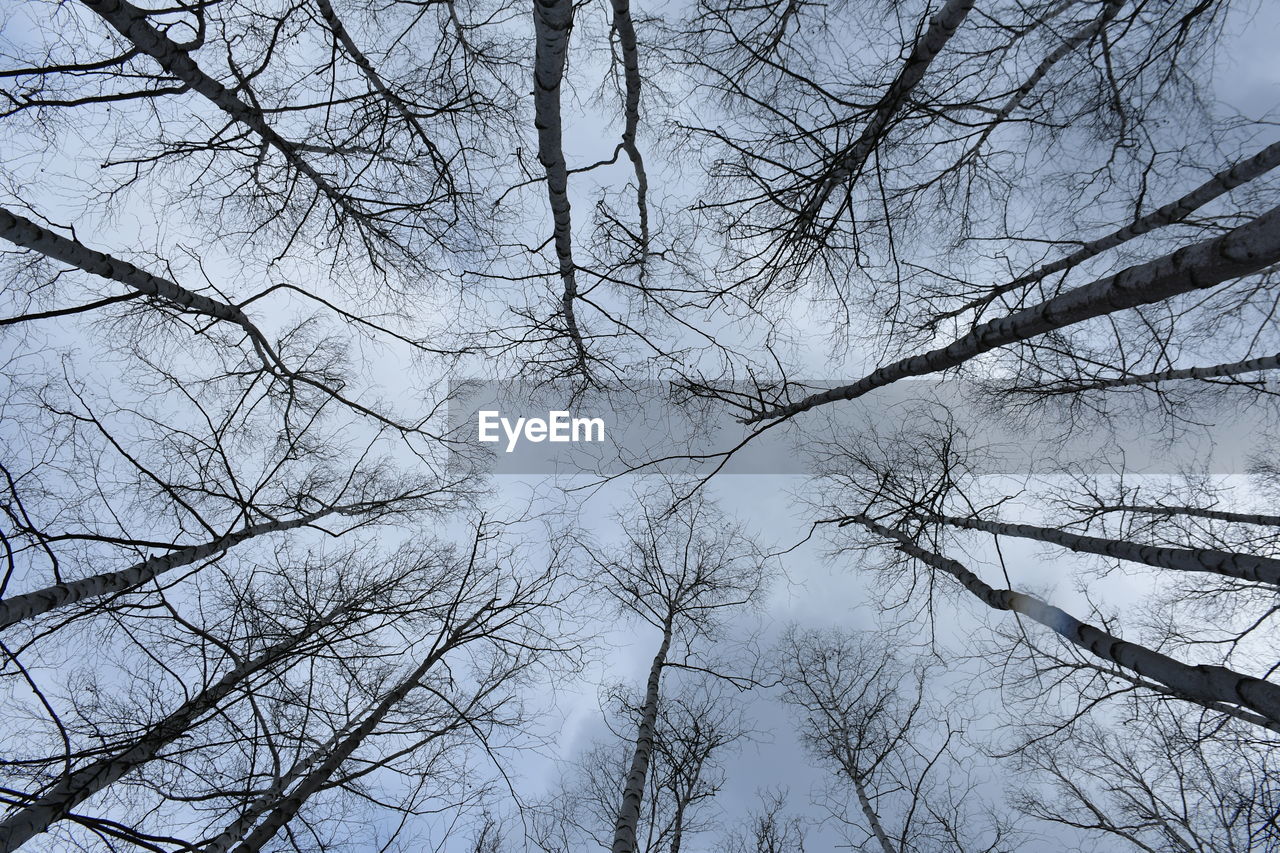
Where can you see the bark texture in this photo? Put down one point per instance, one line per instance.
(552, 21)
(1242, 566)
(864, 802)
(1204, 684)
(1196, 512)
(624, 832)
(26, 234)
(1241, 251)
(28, 605)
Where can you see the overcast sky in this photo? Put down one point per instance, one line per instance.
(809, 589)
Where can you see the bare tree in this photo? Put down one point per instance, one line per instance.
(866, 716)
(696, 726)
(1154, 781)
(682, 569)
(769, 829)
(413, 677)
(244, 600)
(901, 494)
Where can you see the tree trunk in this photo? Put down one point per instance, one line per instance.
(552, 20)
(851, 160)
(1242, 566)
(267, 799)
(1204, 684)
(27, 605)
(1241, 251)
(872, 818)
(1085, 34)
(624, 832)
(22, 232)
(77, 786)
(371, 74)
(1196, 512)
(131, 22)
(626, 30)
(1234, 368)
(677, 826)
(1176, 211)
(287, 809)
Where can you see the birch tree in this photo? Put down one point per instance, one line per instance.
(681, 569)
(1155, 787)
(390, 709)
(901, 494)
(697, 728)
(247, 245)
(867, 717)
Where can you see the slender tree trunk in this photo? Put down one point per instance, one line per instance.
(552, 20)
(1176, 211)
(624, 832)
(1085, 34)
(77, 786)
(286, 809)
(375, 79)
(1242, 566)
(626, 30)
(131, 22)
(1241, 251)
(1234, 368)
(850, 161)
(1204, 684)
(677, 826)
(263, 803)
(30, 604)
(22, 232)
(1196, 512)
(864, 801)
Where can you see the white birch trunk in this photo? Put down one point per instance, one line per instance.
(75, 787)
(1214, 371)
(877, 829)
(624, 832)
(286, 809)
(261, 804)
(1069, 45)
(1196, 512)
(30, 604)
(22, 232)
(131, 22)
(1241, 251)
(552, 21)
(1204, 684)
(1175, 211)
(850, 161)
(1246, 567)
(626, 31)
